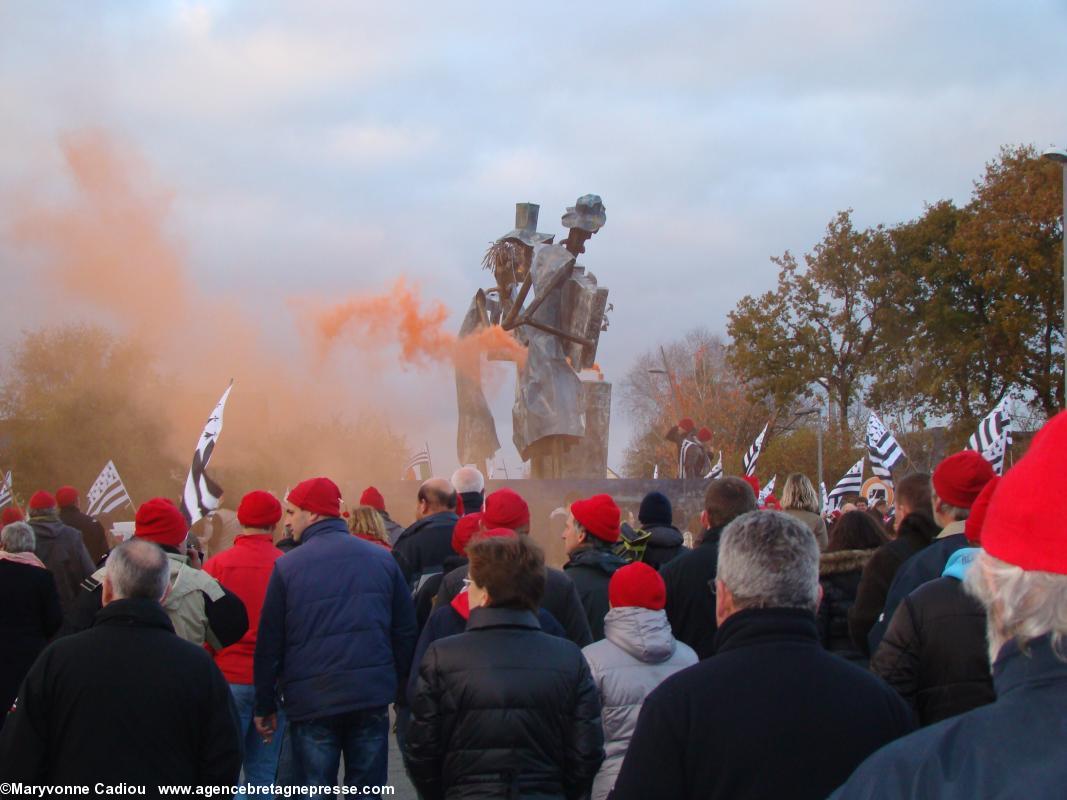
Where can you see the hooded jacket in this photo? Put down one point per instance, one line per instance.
(591, 568)
(665, 542)
(636, 655)
(504, 711)
(934, 652)
(61, 549)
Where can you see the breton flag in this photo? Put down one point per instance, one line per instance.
(754, 451)
(882, 448)
(107, 492)
(850, 483)
(993, 437)
(716, 471)
(414, 469)
(824, 501)
(765, 492)
(202, 494)
(6, 495)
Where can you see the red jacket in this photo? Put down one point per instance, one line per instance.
(244, 569)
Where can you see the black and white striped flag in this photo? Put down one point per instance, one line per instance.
(107, 492)
(851, 483)
(824, 501)
(716, 471)
(413, 470)
(883, 449)
(765, 492)
(202, 494)
(6, 495)
(753, 452)
(993, 437)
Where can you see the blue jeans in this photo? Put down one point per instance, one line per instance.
(261, 760)
(363, 738)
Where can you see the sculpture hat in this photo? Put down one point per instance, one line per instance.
(587, 213)
(526, 226)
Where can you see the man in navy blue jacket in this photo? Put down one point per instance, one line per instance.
(335, 640)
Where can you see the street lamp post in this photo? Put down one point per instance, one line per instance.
(1059, 155)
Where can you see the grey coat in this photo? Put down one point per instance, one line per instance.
(638, 653)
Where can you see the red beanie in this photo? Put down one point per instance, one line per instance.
(159, 520)
(464, 529)
(42, 500)
(11, 514)
(259, 509)
(599, 516)
(704, 435)
(752, 481)
(638, 585)
(686, 424)
(373, 498)
(505, 508)
(976, 519)
(1018, 527)
(959, 478)
(493, 533)
(772, 502)
(66, 496)
(317, 495)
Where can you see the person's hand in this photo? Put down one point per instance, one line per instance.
(266, 726)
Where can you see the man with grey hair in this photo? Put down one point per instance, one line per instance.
(469, 484)
(1013, 747)
(127, 701)
(770, 713)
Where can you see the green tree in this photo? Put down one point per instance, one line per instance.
(820, 325)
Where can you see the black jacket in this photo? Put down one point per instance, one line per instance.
(665, 542)
(61, 549)
(425, 598)
(591, 568)
(934, 652)
(839, 576)
(770, 715)
(125, 702)
(561, 601)
(29, 615)
(924, 566)
(916, 532)
(423, 547)
(504, 711)
(93, 536)
(690, 580)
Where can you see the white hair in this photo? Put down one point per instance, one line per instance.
(1020, 604)
(468, 479)
(767, 559)
(138, 569)
(18, 537)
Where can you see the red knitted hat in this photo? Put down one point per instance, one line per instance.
(599, 516)
(686, 424)
(317, 495)
(959, 478)
(66, 496)
(638, 585)
(464, 529)
(259, 509)
(704, 435)
(1018, 527)
(159, 520)
(505, 508)
(11, 514)
(976, 519)
(373, 498)
(42, 500)
(492, 533)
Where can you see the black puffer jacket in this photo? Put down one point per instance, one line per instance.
(934, 652)
(839, 576)
(664, 544)
(591, 568)
(504, 711)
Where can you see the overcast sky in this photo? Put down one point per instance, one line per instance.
(319, 148)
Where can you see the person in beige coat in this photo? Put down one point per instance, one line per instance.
(799, 500)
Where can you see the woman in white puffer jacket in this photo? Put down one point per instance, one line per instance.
(638, 653)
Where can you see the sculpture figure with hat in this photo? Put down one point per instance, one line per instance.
(560, 328)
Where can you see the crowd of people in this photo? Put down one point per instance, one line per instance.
(913, 650)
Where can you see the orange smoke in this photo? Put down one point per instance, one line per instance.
(399, 318)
